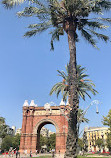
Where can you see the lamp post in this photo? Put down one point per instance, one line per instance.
(94, 102)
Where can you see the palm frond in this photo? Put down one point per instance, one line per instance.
(92, 24)
(108, 20)
(11, 3)
(62, 74)
(85, 86)
(101, 5)
(100, 36)
(104, 4)
(37, 28)
(55, 35)
(88, 37)
(41, 13)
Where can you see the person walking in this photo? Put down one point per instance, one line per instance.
(30, 153)
(53, 154)
(59, 152)
(16, 153)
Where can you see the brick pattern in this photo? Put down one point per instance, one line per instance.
(32, 123)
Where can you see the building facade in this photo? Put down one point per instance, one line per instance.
(91, 134)
(11, 131)
(46, 132)
(18, 131)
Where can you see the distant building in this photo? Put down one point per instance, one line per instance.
(18, 131)
(46, 132)
(11, 131)
(14, 129)
(50, 132)
(91, 134)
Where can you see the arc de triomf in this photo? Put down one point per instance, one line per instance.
(34, 118)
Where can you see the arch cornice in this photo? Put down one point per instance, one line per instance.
(43, 121)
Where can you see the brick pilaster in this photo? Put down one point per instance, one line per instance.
(24, 122)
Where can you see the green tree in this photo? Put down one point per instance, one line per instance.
(48, 141)
(16, 141)
(80, 118)
(52, 141)
(10, 141)
(84, 85)
(2, 120)
(80, 143)
(43, 141)
(6, 143)
(108, 141)
(70, 17)
(107, 121)
(99, 142)
(3, 128)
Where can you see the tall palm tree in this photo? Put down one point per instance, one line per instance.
(84, 85)
(71, 17)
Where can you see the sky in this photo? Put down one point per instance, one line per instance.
(28, 69)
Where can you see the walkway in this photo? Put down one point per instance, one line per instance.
(28, 156)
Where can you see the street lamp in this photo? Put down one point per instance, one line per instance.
(94, 102)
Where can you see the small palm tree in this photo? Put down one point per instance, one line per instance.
(80, 119)
(84, 85)
(70, 17)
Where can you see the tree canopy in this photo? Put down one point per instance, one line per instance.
(58, 14)
(6, 143)
(99, 142)
(48, 141)
(3, 127)
(85, 85)
(107, 122)
(10, 141)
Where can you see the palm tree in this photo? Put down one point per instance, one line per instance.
(84, 85)
(71, 17)
(81, 119)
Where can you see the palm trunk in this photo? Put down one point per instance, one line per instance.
(71, 144)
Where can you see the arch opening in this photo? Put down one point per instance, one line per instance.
(46, 139)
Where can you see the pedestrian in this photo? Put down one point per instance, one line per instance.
(12, 153)
(30, 153)
(59, 152)
(19, 154)
(53, 153)
(16, 153)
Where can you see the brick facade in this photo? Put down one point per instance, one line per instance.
(34, 118)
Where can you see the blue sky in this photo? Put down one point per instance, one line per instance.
(28, 69)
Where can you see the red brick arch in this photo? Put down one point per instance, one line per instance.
(44, 122)
(34, 118)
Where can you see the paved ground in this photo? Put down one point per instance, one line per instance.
(57, 156)
(27, 156)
